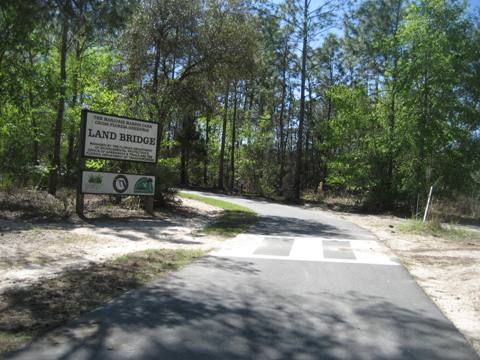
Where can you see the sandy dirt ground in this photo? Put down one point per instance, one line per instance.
(448, 270)
(30, 251)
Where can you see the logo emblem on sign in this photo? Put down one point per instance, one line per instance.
(144, 185)
(120, 183)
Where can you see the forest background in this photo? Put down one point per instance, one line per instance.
(375, 99)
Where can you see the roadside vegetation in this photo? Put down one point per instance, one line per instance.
(437, 229)
(234, 220)
(31, 311)
(378, 108)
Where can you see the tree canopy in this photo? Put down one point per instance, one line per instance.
(379, 98)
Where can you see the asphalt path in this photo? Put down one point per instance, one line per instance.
(298, 285)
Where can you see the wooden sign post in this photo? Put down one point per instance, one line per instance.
(104, 136)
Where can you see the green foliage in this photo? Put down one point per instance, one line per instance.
(350, 139)
(255, 156)
(440, 135)
(391, 105)
(167, 169)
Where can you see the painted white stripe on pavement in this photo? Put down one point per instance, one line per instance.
(242, 245)
(308, 249)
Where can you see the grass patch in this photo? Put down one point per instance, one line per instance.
(225, 205)
(436, 229)
(234, 220)
(231, 223)
(32, 311)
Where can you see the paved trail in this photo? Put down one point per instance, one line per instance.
(299, 285)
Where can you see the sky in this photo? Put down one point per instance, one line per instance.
(315, 3)
(473, 5)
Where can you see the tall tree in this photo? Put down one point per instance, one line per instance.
(233, 136)
(65, 11)
(438, 125)
(312, 23)
(373, 40)
(221, 165)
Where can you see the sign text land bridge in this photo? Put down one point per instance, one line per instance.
(113, 137)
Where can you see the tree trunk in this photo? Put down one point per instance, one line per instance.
(324, 167)
(156, 65)
(205, 160)
(72, 130)
(330, 78)
(34, 120)
(234, 119)
(299, 157)
(392, 119)
(222, 146)
(391, 164)
(422, 131)
(308, 139)
(55, 164)
(289, 135)
(183, 164)
(187, 132)
(281, 156)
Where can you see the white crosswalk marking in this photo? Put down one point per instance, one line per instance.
(311, 249)
(307, 249)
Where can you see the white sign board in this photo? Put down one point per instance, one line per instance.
(118, 138)
(95, 182)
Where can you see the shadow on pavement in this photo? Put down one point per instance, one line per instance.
(237, 316)
(287, 226)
